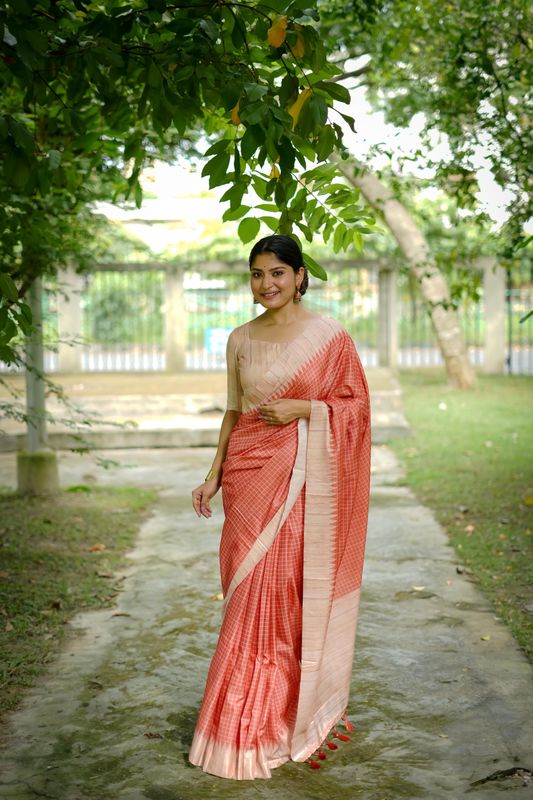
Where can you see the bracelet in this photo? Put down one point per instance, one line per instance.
(211, 474)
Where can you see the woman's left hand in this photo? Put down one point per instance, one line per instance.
(280, 412)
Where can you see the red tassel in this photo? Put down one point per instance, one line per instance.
(313, 764)
(342, 737)
(332, 746)
(322, 756)
(348, 724)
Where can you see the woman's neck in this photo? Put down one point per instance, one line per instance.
(286, 315)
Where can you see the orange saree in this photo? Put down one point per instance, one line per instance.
(291, 556)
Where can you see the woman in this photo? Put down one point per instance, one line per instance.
(293, 461)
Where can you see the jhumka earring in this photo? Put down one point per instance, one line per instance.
(297, 296)
(256, 300)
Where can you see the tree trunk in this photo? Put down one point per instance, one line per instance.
(416, 250)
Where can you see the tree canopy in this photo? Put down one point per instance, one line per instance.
(467, 67)
(93, 91)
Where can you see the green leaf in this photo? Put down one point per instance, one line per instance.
(216, 165)
(138, 195)
(234, 195)
(7, 354)
(248, 229)
(315, 268)
(272, 222)
(218, 147)
(253, 138)
(54, 159)
(8, 287)
(235, 213)
(255, 91)
(326, 142)
(153, 76)
(335, 90)
(26, 310)
(338, 237)
(22, 136)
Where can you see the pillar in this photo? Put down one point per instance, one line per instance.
(175, 320)
(387, 318)
(494, 311)
(69, 322)
(37, 471)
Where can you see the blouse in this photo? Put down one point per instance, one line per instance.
(247, 361)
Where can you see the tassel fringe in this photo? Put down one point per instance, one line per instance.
(342, 737)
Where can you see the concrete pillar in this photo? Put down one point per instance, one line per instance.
(494, 278)
(69, 320)
(37, 471)
(387, 318)
(175, 320)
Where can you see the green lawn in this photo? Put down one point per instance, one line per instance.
(58, 556)
(470, 460)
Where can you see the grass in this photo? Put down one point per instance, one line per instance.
(469, 460)
(58, 556)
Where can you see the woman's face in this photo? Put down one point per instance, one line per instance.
(273, 282)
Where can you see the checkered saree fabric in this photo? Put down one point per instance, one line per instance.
(291, 617)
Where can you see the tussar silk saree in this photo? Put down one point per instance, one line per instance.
(295, 500)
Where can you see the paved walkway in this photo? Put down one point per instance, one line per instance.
(441, 711)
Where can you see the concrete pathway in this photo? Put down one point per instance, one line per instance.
(441, 711)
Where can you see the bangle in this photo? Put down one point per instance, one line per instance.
(211, 474)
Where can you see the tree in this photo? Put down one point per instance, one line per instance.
(434, 289)
(92, 92)
(467, 68)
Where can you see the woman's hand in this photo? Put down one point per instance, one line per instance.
(280, 412)
(202, 495)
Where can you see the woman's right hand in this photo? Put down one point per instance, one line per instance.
(202, 495)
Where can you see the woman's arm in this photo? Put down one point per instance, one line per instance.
(202, 495)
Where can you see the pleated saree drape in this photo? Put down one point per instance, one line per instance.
(291, 556)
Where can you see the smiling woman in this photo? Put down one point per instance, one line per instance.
(294, 464)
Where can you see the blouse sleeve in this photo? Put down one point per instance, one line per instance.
(234, 384)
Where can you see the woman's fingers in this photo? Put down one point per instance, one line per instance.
(201, 503)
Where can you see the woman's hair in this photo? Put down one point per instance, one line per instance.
(286, 250)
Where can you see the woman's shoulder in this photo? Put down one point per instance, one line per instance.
(238, 334)
(333, 326)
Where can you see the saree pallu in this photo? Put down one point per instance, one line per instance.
(295, 500)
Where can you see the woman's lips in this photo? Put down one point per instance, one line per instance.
(268, 295)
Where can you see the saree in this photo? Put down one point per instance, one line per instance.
(295, 501)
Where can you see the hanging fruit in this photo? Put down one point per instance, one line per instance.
(277, 32)
(296, 109)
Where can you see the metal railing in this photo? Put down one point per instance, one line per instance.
(123, 320)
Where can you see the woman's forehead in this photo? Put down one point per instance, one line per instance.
(268, 261)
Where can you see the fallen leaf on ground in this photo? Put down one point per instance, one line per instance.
(95, 548)
(121, 614)
(106, 574)
(485, 638)
(418, 588)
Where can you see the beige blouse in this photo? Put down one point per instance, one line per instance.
(247, 361)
